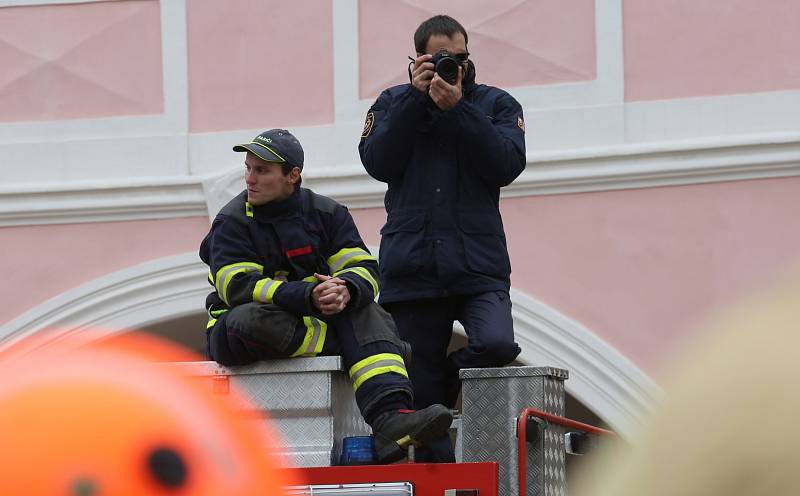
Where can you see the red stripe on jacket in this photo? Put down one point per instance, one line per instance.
(298, 251)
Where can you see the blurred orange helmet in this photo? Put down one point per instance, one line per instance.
(84, 419)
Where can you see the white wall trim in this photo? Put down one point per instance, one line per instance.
(557, 172)
(600, 377)
(660, 164)
(611, 168)
(173, 121)
(172, 287)
(98, 202)
(131, 298)
(124, 146)
(608, 86)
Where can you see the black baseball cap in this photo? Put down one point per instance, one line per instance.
(275, 145)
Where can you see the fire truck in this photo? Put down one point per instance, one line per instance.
(510, 436)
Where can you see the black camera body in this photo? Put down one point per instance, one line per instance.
(446, 66)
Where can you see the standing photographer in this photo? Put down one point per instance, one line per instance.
(445, 145)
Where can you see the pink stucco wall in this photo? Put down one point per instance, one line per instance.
(80, 61)
(513, 43)
(44, 261)
(685, 48)
(259, 64)
(642, 268)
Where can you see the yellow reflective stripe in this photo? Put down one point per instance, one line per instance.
(217, 313)
(225, 274)
(310, 279)
(378, 371)
(210, 277)
(382, 363)
(314, 340)
(364, 274)
(262, 145)
(213, 316)
(348, 256)
(248, 209)
(265, 289)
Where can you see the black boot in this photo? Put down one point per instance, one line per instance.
(395, 431)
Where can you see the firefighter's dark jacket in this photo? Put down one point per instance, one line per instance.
(444, 234)
(269, 253)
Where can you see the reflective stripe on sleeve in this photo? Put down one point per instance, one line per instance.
(213, 316)
(225, 274)
(314, 340)
(364, 274)
(217, 313)
(265, 289)
(348, 256)
(382, 363)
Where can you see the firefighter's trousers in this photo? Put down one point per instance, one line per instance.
(366, 338)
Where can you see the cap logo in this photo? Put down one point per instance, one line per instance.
(368, 124)
(521, 123)
(261, 138)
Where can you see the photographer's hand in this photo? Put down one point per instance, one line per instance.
(422, 73)
(444, 94)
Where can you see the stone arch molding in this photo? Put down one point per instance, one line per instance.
(600, 376)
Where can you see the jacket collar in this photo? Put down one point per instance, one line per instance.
(279, 208)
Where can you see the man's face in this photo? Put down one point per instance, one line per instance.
(454, 46)
(266, 181)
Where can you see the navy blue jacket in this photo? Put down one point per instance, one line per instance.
(269, 254)
(444, 234)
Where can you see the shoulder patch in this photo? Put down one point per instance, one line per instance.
(521, 123)
(368, 124)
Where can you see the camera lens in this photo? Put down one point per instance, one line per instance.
(447, 69)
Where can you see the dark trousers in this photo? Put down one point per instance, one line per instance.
(427, 326)
(257, 331)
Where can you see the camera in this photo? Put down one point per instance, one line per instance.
(446, 66)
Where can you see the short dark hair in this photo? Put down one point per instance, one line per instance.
(437, 25)
(286, 168)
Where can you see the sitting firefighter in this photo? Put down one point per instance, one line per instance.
(293, 278)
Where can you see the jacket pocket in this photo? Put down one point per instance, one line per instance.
(484, 241)
(402, 244)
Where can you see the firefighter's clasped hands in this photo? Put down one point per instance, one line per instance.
(331, 295)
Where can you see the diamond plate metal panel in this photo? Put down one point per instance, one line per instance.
(500, 372)
(308, 391)
(310, 440)
(309, 400)
(492, 400)
(302, 458)
(554, 479)
(316, 364)
(347, 419)
(304, 432)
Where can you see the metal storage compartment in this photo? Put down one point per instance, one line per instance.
(492, 399)
(309, 400)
